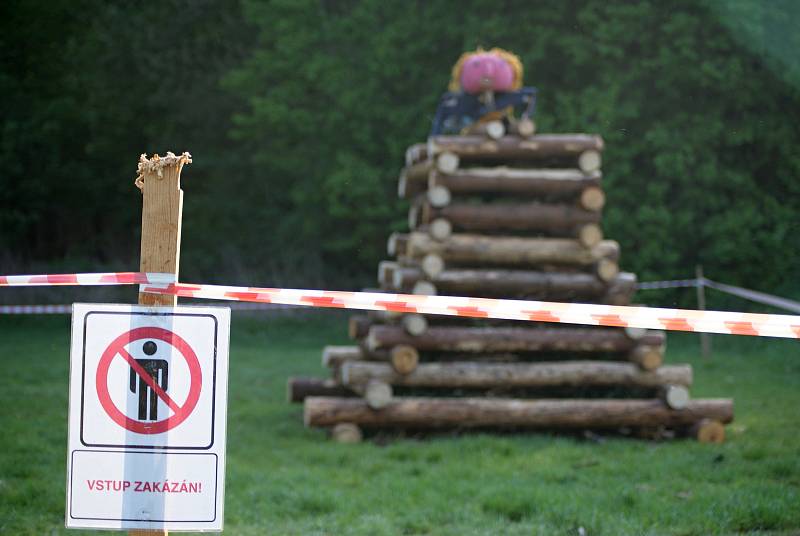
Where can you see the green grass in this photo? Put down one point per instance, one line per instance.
(285, 479)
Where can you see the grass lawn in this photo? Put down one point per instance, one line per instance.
(285, 479)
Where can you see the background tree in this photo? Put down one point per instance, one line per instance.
(298, 113)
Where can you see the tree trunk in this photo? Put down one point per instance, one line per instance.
(486, 412)
(506, 250)
(511, 339)
(334, 356)
(543, 146)
(467, 374)
(299, 388)
(554, 183)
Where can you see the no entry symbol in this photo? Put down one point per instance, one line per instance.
(148, 376)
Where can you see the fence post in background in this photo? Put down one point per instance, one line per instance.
(159, 179)
(705, 338)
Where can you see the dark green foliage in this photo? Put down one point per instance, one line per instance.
(298, 113)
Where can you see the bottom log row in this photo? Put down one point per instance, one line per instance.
(341, 410)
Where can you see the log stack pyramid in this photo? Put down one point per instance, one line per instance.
(518, 217)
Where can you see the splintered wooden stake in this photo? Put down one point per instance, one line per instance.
(162, 207)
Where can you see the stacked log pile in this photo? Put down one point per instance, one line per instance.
(520, 218)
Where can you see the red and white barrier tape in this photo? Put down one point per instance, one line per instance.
(763, 325)
(107, 278)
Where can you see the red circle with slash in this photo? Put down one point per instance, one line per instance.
(180, 413)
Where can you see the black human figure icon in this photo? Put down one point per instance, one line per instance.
(158, 369)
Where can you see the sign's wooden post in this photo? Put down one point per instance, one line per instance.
(162, 206)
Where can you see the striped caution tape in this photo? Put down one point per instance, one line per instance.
(763, 325)
(105, 278)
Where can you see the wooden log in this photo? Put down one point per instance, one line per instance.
(358, 326)
(648, 357)
(606, 269)
(438, 196)
(524, 128)
(447, 162)
(377, 394)
(675, 396)
(440, 229)
(510, 283)
(397, 244)
(424, 288)
(589, 235)
(593, 199)
(433, 413)
(432, 265)
(416, 153)
(509, 250)
(620, 291)
(556, 219)
(552, 183)
(541, 146)
(335, 356)
(635, 333)
(490, 129)
(709, 430)
(419, 171)
(524, 216)
(386, 271)
(404, 358)
(414, 179)
(510, 339)
(299, 388)
(347, 432)
(414, 324)
(590, 161)
(466, 374)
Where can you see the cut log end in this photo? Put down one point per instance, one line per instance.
(590, 235)
(525, 127)
(405, 359)
(440, 229)
(378, 394)
(439, 196)
(647, 357)
(447, 162)
(589, 161)
(708, 431)
(432, 265)
(593, 198)
(495, 129)
(415, 324)
(424, 288)
(347, 432)
(676, 396)
(607, 270)
(635, 333)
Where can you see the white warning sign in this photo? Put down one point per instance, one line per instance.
(148, 397)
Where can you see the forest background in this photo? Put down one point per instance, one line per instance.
(298, 113)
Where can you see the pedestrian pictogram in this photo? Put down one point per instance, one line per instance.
(149, 379)
(158, 371)
(148, 389)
